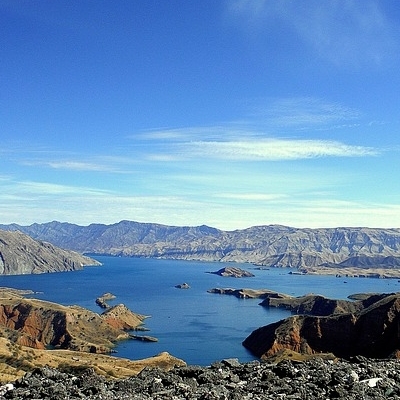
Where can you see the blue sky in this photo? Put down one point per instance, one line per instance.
(226, 113)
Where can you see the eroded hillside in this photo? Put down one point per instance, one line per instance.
(36, 333)
(20, 254)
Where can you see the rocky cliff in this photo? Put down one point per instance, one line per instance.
(20, 254)
(334, 250)
(373, 331)
(40, 324)
(36, 333)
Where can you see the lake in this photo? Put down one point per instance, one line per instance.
(191, 324)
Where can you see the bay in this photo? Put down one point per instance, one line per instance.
(191, 324)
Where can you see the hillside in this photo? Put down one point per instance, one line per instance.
(331, 250)
(368, 328)
(20, 254)
(77, 337)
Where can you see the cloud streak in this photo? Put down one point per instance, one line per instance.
(257, 197)
(276, 150)
(306, 111)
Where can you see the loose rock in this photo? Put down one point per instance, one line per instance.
(318, 378)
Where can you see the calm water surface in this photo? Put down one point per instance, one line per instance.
(191, 324)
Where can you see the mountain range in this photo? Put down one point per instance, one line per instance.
(265, 246)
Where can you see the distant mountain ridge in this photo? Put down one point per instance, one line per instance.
(269, 245)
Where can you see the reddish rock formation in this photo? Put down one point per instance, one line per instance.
(120, 317)
(41, 324)
(373, 332)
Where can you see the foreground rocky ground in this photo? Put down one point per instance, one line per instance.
(314, 379)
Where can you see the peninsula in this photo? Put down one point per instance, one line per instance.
(77, 337)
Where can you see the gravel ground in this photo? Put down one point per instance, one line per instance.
(359, 379)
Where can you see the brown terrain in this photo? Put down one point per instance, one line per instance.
(368, 327)
(36, 333)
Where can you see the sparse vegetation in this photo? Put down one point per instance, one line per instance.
(96, 335)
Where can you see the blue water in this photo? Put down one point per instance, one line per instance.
(191, 324)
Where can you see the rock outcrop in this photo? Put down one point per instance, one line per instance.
(20, 254)
(41, 324)
(312, 304)
(102, 300)
(250, 293)
(120, 317)
(330, 251)
(373, 331)
(35, 333)
(183, 286)
(233, 272)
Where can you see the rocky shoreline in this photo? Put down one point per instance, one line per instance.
(317, 378)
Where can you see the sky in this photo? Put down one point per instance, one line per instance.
(228, 113)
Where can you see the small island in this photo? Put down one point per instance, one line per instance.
(233, 272)
(183, 286)
(249, 293)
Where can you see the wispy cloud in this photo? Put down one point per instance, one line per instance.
(251, 196)
(269, 133)
(78, 166)
(304, 112)
(193, 133)
(101, 163)
(345, 32)
(49, 189)
(277, 150)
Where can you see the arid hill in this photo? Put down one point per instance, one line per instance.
(372, 331)
(20, 254)
(330, 251)
(41, 324)
(36, 333)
